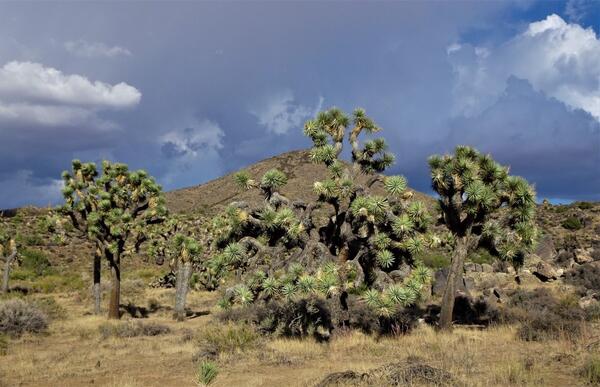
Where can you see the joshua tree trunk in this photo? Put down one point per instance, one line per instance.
(184, 271)
(455, 275)
(96, 288)
(115, 292)
(6, 275)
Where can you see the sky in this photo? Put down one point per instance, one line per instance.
(190, 91)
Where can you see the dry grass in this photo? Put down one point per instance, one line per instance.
(73, 353)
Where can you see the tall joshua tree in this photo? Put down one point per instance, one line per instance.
(111, 211)
(366, 235)
(481, 205)
(8, 253)
(175, 242)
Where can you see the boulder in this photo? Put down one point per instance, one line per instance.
(565, 259)
(473, 267)
(401, 273)
(583, 256)
(546, 249)
(487, 268)
(382, 280)
(525, 278)
(439, 283)
(544, 272)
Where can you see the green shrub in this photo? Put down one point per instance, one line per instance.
(30, 239)
(58, 283)
(35, 261)
(207, 372)
(584, 205)
(481, 256)
(560, 209)
(18, 317)
(572, 223)
(229, 338)
(435, 260)
(590, 371)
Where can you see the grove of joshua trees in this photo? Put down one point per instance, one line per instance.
(362, 235)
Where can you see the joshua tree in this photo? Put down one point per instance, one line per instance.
(8, 253)
(481, 205)
(174, 241)
(367, 236)
(111, 210)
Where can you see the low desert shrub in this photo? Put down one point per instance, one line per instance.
(435, 260)
(584, 205)
(590, 371)
(59, 282)
(51, 308)
(586, 277)
(132, 329)
(229, 338)
(572, 223)
(35, 261)
(207, 372)
(294, 318)
(543, 316)
(549, 326)
(18, 317)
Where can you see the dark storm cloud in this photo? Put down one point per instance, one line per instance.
(226, 84)
(542, 139)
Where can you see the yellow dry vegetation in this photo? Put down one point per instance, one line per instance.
(74, 353)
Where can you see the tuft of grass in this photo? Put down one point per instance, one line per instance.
(590, 371)
(572, 223)
(435, 260)
(56, 283)
(229, 338)
(35, 261)
(481, 256)
(207, 372)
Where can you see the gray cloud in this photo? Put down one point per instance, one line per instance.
(200, 62)
(94, 49)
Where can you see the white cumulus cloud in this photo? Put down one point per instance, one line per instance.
(86, 49)
(278, 113)
(558, 58)
(31, 93)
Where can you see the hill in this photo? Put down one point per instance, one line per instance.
(212, 196)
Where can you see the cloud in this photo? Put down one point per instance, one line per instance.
(576, 10)
(32, 94)
(279, 113)
(192, 151)
(21, 187)
(559, 58)
(193, 140)
(86, 49)
(33, 82)
(553, 145)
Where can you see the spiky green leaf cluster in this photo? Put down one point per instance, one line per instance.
(113, 206)
(476, 191)
(397, 296)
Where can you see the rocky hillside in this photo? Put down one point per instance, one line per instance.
(211, 197)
